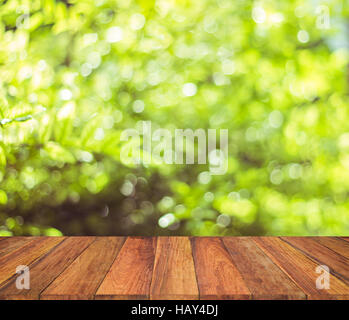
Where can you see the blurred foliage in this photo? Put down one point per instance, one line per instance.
(75, 74)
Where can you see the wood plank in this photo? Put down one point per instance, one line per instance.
(9, 244)
(130, 275)
(25, 255)
(174, 267)
(174, 273)
(216, 274)
(338, 264)
(301, 269)
(336, 244)
(81, 279)
(44, 271)
(263, 278)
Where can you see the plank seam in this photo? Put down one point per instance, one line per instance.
(333, 272)
(65, 268)
(340, 240)
(196, 275)
(152, 273)
(124, 240)
(17, 249)
(236, 267)
(324, 245)
(10, 280)
(253, 295)
(31, 265)
(265, 251)
(242, 276)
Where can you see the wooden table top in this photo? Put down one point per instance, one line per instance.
(175, 267)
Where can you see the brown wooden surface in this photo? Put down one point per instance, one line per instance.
(341, 247)
(264, 279)
(46, 270)
(174, 273)
(83, 277)
(174, 267)
(25, 255)
(215, 271)
(8, 245)
(338, 264)
(130, 275)
(301, 269)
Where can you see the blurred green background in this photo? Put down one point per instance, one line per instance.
(75, 74)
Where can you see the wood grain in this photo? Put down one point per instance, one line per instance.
(174, 273)
(301, 269)
(217, 276)
(263, 278)
(81, 279)
(25, 255)
(9, 244)
(43, 272)
(174, 267)
(130, 275)
(339, 265)
(336, 244)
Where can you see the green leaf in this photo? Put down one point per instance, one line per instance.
(3, 197)
(59, 153)
(2, 157)
(53, 232)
